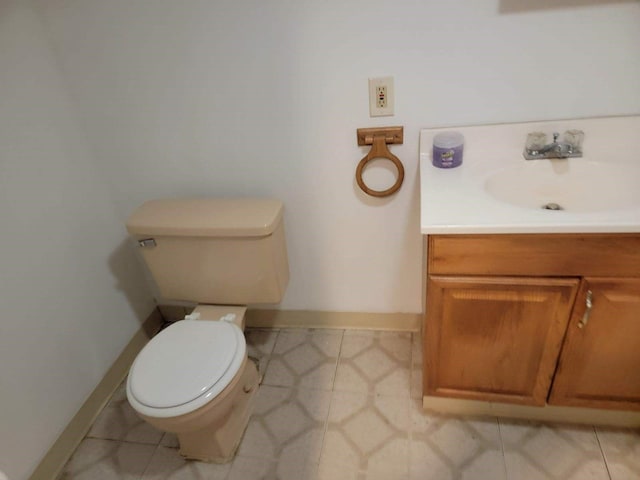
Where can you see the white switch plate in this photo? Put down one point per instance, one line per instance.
(381, 94)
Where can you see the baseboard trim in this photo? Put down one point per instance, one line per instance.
(54, 461)
(548, 413)
(260, 318)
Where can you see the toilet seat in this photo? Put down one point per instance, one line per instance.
(184, 367)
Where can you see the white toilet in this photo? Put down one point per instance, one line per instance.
(194, 377)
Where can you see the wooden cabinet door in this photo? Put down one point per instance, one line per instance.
(600, 362)
(495, 338)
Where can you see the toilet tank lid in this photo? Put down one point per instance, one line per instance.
(199, 217)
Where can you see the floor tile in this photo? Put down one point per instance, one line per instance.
(260, 343)
(416, 348)
(167, 464)
(287, 421)
(120, 395)
(108, 460)
(549, 451)
(245, 468)
(304, 358)
(416, 382)
(170, 440)
(284, 468)
(366, 435)
(430, 463)
(329, 470)
(621, 448)
(346, 405)
(379, 363)
(119, 421)
(293, 466)
(334, 470)
(448, 447)
(416, 365)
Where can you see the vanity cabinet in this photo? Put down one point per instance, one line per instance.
(507, 319)
(600, 362)
(496, 338)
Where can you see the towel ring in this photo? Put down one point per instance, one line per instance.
(379, 149)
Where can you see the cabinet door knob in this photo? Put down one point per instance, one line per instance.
(589, 304)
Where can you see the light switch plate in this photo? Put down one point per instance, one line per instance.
(381, 97)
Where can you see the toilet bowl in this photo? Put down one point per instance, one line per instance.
(194, 378)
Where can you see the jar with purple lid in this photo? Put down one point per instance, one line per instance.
(447, 149)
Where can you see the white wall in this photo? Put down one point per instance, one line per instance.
(240, 97)
(69, 293)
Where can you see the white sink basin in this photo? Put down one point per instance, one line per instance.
(575, 185)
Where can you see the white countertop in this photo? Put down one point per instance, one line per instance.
(455, 201)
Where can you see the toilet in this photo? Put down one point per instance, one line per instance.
(194, 378)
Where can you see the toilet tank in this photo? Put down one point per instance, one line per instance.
(214, 250)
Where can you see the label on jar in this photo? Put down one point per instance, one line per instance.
(447, 157)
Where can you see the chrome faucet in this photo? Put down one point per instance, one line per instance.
(571, 146)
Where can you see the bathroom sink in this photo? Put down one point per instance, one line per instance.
(574, 185)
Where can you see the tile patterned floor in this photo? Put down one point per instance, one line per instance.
(338, 405)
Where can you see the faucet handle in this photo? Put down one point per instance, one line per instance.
(555, 136)
(574, 138)
(535, 141)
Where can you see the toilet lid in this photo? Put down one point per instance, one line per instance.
(186, 362)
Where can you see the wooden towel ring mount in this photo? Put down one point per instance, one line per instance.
(378, 139)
